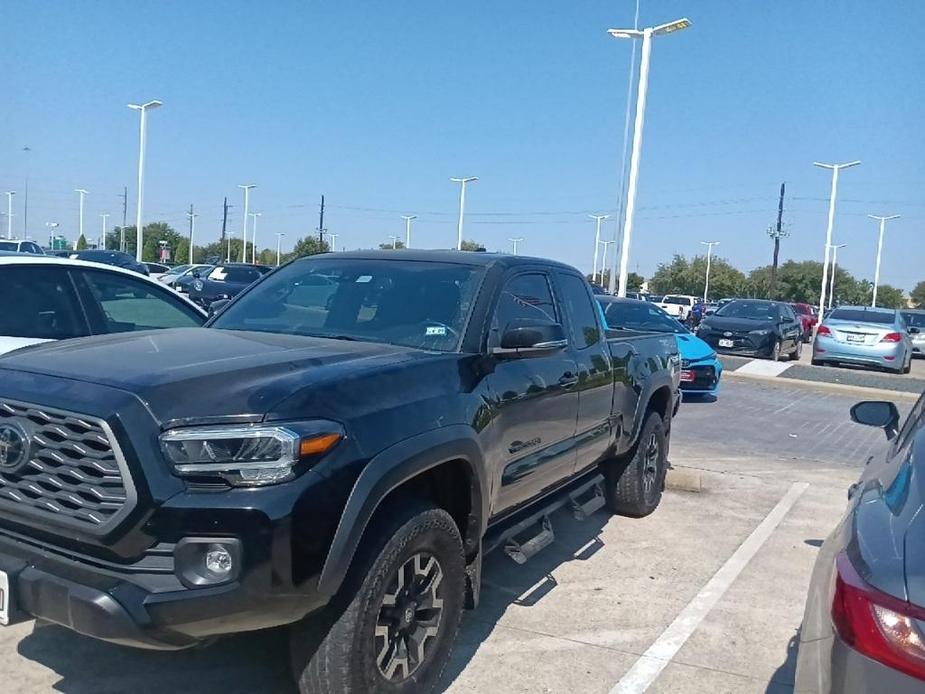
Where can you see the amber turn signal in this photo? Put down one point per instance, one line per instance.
(314, 445)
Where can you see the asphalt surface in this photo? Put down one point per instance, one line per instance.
(580, 616)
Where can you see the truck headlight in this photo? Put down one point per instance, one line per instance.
(248, 456)
(760, 333)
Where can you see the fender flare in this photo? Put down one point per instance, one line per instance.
(390, 469)
(654, 383)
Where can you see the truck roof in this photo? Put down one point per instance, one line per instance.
(477, 258)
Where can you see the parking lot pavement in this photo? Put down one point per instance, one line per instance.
(578, 616)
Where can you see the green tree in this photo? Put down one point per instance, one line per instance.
(310, 245)
(918, 295)
(634, 280)
(82, 244)
(154, 233)
(467, 245)
(388, 246)
(890, 297)
(681, 276)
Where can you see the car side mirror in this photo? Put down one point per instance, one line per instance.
(196, 274)
(877, 413)
(523, 337)
(709, 312)
(218, 306)
(914, 331)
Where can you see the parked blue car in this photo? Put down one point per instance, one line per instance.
(700, 369)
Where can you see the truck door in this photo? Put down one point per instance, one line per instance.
(596, 369)
(535, 402)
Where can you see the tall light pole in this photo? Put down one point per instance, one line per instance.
(395, 240)
(462, 206)
(834, 268)
(279, 245)
(9, 213)
(80, 226)
(51, 226)
(192, 232)
(883, 221)
(408, 218)
(254, 216)
(597, 242)
(514, 243)
(247, 191)
(103, 231)
(144, 108)
(835, 168)
(228, 257)
(706, 285)
(606, 245)
(333, 241)
(646, 36)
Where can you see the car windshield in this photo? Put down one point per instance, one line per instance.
(683, 300)
(863, 315)
(750, 310)
(177, 270)
(914, 320)
(415, 304)
(9, 246)
(640, 315)
(239, 275)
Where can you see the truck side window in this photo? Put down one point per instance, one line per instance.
(525, 296)
(583, 320)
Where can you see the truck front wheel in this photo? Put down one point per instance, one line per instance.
(391, 628)
(633, 484)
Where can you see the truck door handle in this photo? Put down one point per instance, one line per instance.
(568, 380)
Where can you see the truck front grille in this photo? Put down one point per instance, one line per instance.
(61, 468)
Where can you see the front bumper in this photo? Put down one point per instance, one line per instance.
(884, 355)
(744, 345)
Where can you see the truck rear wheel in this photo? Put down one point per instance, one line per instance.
(391, 629)
(634, 484)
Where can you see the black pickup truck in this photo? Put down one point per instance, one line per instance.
(336, 450)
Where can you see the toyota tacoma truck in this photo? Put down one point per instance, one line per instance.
(336, 451)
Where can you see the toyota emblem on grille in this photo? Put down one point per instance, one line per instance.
(14, 447)
(727, 334)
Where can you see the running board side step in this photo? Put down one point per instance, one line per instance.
(521, 552)
(587, 501)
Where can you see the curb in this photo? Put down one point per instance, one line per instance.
(843, 388)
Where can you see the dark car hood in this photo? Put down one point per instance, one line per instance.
(196, 373)
(737, 324)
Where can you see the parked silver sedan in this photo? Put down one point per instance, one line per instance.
(865, 336)
(915, 319)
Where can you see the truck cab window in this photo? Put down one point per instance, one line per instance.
(583, 318)
(526, 296)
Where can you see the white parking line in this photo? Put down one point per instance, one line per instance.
(651, 663)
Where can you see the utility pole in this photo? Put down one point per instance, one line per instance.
(224, 218)
(321, 230)
(124, 218)
(192, 229)
(776, 233)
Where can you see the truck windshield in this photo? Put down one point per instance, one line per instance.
(410, 303)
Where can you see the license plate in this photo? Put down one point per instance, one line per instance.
(4, 599)
(727, 343)
(687, 376)
(856, 339)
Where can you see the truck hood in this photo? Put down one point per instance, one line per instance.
(187, 374)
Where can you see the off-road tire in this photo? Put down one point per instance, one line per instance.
(634, 483)
(336, 652)
(797, 351)
(775, 352)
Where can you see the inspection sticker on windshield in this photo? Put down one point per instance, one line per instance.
(435, 330)
(363, 279)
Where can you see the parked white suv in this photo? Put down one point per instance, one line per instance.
(678, 305)
(17, 246)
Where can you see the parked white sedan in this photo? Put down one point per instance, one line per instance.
(49, 298)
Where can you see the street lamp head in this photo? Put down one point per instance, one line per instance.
(598, 216)
(409, 217)
(710, 243)
(625, 33)
(880, 218)
(247, 186)
(149, 105)
(82, 191)
(467, 179)
(671, 27)
(848, 165)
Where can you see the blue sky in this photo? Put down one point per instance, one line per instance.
(377, 104)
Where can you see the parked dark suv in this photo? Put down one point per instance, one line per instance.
(864, 625)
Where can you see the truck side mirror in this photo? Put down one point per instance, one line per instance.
(877, 413)
(218, 306)
(524, 337)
